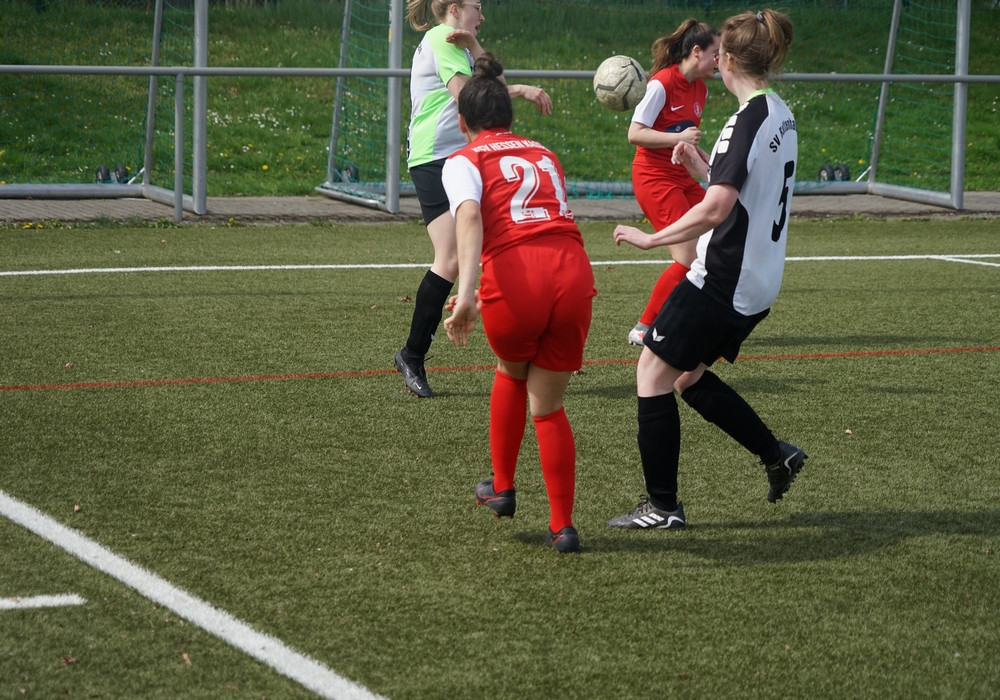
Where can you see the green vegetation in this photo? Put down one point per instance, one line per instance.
(270, 136)
(333, 511)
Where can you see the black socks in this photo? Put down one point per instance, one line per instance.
(718, 403)
(660, 447)
(432, 294)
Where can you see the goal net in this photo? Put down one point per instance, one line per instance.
(841, 126)
(69, 129)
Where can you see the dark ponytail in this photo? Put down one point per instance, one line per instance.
(484, 102)
(673, 48)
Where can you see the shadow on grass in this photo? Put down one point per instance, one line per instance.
(855, 343)
(803, 537)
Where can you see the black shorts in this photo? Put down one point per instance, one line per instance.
(692, 328)
(430, 190)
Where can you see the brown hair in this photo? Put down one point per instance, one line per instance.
(485, 102)
(673, 48)
(416, 13)
(758, 41)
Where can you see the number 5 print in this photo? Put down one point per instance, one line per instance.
(778, 225)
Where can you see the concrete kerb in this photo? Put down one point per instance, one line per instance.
(317, 208)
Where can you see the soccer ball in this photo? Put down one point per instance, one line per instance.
(619, 83)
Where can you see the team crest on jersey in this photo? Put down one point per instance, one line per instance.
(697, 110)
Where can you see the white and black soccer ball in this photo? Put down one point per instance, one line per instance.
(619, 83)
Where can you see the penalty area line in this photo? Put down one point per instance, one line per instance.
(267, 649)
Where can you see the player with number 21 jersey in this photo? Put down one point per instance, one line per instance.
(534, 267)
(508, 196)
(519, 185)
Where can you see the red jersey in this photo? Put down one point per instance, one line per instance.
(671, 103)
(519, 185)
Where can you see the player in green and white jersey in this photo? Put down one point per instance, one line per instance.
(442, 65)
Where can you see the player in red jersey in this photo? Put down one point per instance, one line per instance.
(669, 114)
(508, 196)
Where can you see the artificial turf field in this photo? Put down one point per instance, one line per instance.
(214, 485)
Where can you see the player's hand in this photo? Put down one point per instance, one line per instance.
(450, 304)
(463, 39)
(630, 234)
(461, 322)
(691, 135)
(683, 154)
(540, 98)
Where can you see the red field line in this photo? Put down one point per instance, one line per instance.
(470, 368)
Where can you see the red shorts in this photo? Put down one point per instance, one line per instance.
(537, 302)
(664, 200)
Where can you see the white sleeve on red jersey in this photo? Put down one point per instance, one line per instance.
(462, 181)
(651, 105)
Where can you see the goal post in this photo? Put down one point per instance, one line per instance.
(364, 163)
(954, 197)
(88, 83)
(914, 91)
(95, 121)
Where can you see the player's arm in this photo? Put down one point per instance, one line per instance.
(531, 93)
(641, 135)
(693, 158)
(456, 84)
(452, 59)
(640, 129)
(469, 237)
(702, 217)
(527, 92)
(466, 40)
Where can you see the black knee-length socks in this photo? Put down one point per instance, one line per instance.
(428, 308)
(718, 403)
(659, 448)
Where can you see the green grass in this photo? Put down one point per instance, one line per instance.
(335, 512)
(270, 136)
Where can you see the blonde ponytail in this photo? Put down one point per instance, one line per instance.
(416, 13)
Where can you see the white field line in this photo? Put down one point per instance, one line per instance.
(962, 259)
(970, 259)
(310, 673)
(41, 601)
(209, 268)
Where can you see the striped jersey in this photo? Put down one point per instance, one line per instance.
(434, 132)
(741, 261)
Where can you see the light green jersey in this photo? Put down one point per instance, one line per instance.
(434, 132)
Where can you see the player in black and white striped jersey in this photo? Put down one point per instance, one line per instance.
(741, 227)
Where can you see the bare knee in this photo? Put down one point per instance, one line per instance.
(689, 379)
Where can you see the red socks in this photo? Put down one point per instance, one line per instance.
(670, 278)
(508, 416)
(557, 451)
(556, 447)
